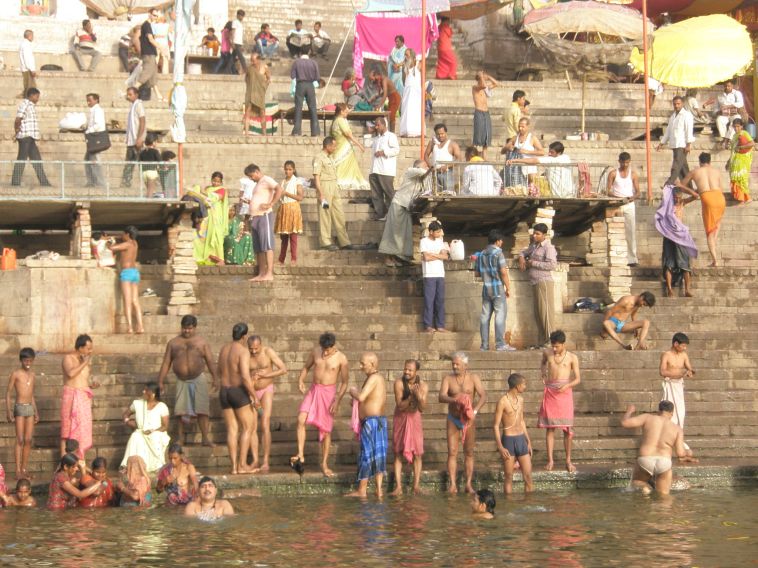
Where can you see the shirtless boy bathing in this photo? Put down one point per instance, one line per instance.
(511, 435)
(24, 412)
(23, 496)
(620, 319)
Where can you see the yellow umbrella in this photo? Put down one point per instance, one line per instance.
(698, 52)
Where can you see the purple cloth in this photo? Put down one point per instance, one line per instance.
(668, 225)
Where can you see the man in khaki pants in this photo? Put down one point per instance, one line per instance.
(330, 205)
(539, 260)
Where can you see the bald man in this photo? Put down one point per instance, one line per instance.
(371, 399)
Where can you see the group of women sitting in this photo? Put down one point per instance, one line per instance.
(74, 485)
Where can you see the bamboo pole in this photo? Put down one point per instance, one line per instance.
(423, 77)
(648, 149)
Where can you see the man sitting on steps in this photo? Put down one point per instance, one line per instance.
(620, 319)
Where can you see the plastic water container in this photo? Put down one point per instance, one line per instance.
(750, 127)
(457, 251)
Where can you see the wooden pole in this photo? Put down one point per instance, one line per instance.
(180, 165)
(423, 77)
(584, 95)
(648, 148)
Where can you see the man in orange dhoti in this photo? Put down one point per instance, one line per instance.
(557, 410)
(707, 181)
(76, 407)
(407, 428)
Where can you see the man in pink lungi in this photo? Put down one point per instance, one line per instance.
(322, 401)
(407, 426)
(557, 410)
(76, 407)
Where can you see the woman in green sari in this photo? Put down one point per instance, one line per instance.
(238, 244)
(209, 239)
(349, 175)
(740, 162)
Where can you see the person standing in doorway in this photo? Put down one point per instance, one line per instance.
(625, 183)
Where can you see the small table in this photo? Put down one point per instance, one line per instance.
(324, 114)
(203, 60)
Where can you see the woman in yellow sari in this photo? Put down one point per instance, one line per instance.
(209, 241)
(740, 162)
(349, 175)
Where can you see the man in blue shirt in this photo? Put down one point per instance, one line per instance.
(492, 268)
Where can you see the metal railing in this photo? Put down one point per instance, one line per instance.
(68, 179)
(492, 179)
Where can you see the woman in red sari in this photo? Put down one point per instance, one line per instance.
(63, 494)
(447, 64)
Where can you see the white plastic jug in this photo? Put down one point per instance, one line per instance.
(457, 251)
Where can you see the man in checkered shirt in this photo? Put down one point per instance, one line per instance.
(27, 134)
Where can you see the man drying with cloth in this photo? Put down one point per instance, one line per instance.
(188, 355)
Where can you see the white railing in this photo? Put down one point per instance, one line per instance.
(68, 179)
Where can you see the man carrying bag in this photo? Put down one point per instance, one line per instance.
(97, 140)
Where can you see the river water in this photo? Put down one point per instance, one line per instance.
(699, 527)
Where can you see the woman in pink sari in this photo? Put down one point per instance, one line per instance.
(136, 491)
(447, 64)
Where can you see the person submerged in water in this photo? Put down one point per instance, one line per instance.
(483, 504)
(22, 497)
(208, 507)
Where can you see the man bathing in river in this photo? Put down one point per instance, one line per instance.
(76, 406)
(371, 399)
(207, 507)
(458, 391)
(557, 410)
(660, 438)
(620, 319)
(188, 355)
(511, 435)
(265, 366)
(407, 425)
(322, 402)
(236, 396)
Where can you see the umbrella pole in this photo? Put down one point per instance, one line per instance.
(584, 94)
(423, 77)
(180, 165)
(648, 152)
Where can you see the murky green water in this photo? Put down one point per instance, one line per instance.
(578, 528)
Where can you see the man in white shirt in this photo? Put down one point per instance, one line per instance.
(266, 193)
(320, 41)
(625, 183)
(85, 41)
(384, 151)
(95, 123)
(679, 136)
(731, 105)
(27, 64)
(238, 40)
(560, 179)
(26, 127)
(136, 130)
(298, 39)
(434, 251)
(480, 179)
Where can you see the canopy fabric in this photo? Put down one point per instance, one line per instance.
(698, 52)
(688, 7)
(585, 35)
(114, 8)
(456, 9)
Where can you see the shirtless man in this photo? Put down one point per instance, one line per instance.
(458, 391)
(620, 319)
(24, 412)
(188, 355)
(511, 435)
(320, 405)
(129, 276)
(389, 93)
(77, 396)
(265, 366)
(707, 181)
(674, 368)
(207, 507)
(480, 92)
(407, 424)
(660, 439)
(236, 396)
(371, 399)
(557, 410)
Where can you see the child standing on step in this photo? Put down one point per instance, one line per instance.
(24, 412)
(289, 217)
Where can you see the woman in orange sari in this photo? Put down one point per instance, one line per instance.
(447, 64)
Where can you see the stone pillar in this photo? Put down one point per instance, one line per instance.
(81, 235)
(521, 238)
(183, 268)
(619, 274)
(598, 255)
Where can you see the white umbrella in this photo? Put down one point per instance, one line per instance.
(182, 26)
